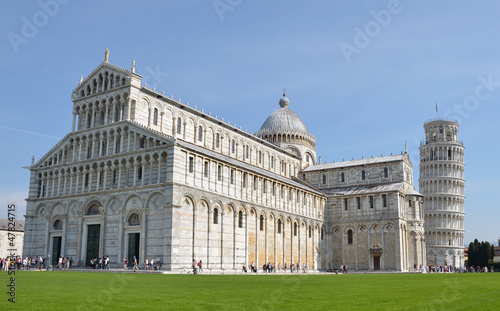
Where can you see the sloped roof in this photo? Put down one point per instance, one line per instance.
(4, 225)
(384, 159)
(368, 189)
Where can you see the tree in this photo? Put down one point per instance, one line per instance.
(472, 255)
(492, 251)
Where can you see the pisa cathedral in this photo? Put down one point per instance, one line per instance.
(141, 174)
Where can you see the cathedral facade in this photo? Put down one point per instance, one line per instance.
(143, 175)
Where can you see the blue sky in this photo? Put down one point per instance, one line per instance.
(364, 76)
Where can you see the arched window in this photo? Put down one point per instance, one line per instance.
(233, 146)
(247, 153)
(322, 233)
(279, 225)
(260, 157)
(179, 125)
(342, 177)
(363, 175)
(349, 236)
(295, 229)
(307, 158)
(93, 209)
(324, 179)
(200, 133)
(240, 219)
(272, 162)
(217, 140)
(134, 220)
(261, 225)
(216, 216)
(155, 116)
(310, 231)
(58, 225)
(386, 172)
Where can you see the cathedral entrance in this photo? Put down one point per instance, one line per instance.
(93, 236)
(133, 247)
(376, 262)
(56, 249)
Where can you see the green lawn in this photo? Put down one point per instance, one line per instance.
(115, 291)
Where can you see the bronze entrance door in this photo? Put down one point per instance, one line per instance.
(56, 249)
(376, 262)
(93, 236)
(133, 247)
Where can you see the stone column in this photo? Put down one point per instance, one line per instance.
(222, 214)
(174, 127)
(106, 114)
(134, 181)
(102, 233)
(77, 179)
(93, 111)
(150, 110)
(121, 138)
(47, 242)
(129, 104)
(159, 169)
(184, 130)
(53, 186)
(65, 175)
(63, 239)
(235, 220)
(119, 175)
(106, 169)
(113, 117)
(91, 171)
(161, 121)
(121, 238)
(143, 171)
(74, 120)
(71, 174)
(79, 240)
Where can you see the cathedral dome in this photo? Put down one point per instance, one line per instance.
(285, 129)
(283, 121)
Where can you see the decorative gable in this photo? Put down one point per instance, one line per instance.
(105, 77)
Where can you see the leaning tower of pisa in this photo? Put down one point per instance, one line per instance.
(442, 184)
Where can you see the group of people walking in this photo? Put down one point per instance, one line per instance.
(148, 264)
(272, 268)
(101, 263)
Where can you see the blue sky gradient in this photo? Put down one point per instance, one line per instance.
(364, 76)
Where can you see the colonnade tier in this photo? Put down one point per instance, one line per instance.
(291, 138)
(104, 81)
(249, 152)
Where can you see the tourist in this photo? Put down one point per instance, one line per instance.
(146, 266)
(195, 267)
(125, 263)
(200, 266)
(135, 264)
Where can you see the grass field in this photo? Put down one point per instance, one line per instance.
(116, 291)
